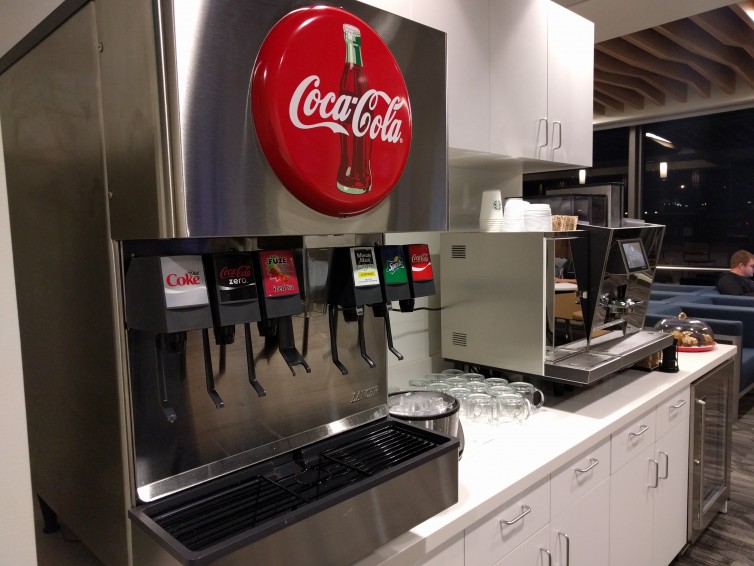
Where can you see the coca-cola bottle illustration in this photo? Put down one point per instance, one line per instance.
(354, 173)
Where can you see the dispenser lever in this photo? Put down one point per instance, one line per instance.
(332, 312)
(383, 311)
(362, 341)
(216, 399)
(161, 385)
(250, 363)
(287, 345)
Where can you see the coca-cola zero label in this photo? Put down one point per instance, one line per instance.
(336, 134)
(235, 278)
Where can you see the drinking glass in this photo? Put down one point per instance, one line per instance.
(493, 381)
(451, 372)
(512, 408)
(528, 391)
(418, 383)
(474, 377)
(481, 408)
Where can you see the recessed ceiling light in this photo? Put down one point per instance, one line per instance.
(662, 141)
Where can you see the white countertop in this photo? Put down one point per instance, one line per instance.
(500, 462)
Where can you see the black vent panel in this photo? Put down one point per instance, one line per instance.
(459, 339)
(458, 251)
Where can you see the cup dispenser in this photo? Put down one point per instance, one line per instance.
(167, 296)
(354, 283)
(279, 300)
(234, 300)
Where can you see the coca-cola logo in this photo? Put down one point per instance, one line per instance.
(420, 258)
(336, 134)
(235, 272)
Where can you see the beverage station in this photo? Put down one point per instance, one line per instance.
(213, 383)
(233, 200)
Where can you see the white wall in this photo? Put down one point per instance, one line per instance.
(17, 544)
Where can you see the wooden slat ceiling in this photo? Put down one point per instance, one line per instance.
(712, 50)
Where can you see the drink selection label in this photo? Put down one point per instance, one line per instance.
(393, 266)
(278, 273)
(183, 281)
(235, 277)
(364, 265)
(421, 263)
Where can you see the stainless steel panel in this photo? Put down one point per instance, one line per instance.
(180, 118)
(50, 112)
(710, 444)
(370, 520)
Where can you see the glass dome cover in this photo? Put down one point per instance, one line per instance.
(691, 334)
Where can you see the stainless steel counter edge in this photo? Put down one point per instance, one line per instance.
(582, 421)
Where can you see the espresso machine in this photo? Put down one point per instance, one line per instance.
(191, 199)
(500, 300)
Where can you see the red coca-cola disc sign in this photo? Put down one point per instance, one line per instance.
(331, 110)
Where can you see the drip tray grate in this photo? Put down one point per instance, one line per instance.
(265, 495)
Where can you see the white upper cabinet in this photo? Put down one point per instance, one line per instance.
(570, 83)
(541, 80)
(518, 78)
(468, 46)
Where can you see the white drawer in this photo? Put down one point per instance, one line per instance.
(672, 411)
(631, 440)
(500, 533)
(579, 476)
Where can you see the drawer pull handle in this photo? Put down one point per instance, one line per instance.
(644, 428)
(678, 405)
(525, 510)
(549, 555)
(592, 462)
(568, 547)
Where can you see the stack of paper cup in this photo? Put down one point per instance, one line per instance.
(491, 211)
(538, 218)
(513, 219)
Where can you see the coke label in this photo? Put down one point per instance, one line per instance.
(421, 262)
(183, 281)
(235, 277)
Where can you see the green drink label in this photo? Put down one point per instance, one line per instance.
(394, 267)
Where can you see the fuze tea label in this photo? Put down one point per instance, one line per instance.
(421, 264)
(183, 281)
(364, 265)
(278, 273)
(393, 266)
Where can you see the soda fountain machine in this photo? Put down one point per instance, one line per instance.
(190, 172)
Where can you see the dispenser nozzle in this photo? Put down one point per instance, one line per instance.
(210, 379)
(250, 363)
(162, 394)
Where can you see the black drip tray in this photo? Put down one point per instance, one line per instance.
(241, 507)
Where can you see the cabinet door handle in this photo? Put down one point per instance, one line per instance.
(657, 472)
(547, 132)
(702, 433)
(525, 510)
(642, 429)
(549, 556)
(560, 134)
(568, 548)
(667, 465)
(678, 405)
(592, 462)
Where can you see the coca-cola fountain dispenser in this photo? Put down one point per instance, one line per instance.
(167, 296)
(234, 300)
(354, 283)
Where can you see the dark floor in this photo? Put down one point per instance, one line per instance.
(729, 540)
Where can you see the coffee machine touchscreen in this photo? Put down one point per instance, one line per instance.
(633, 253)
